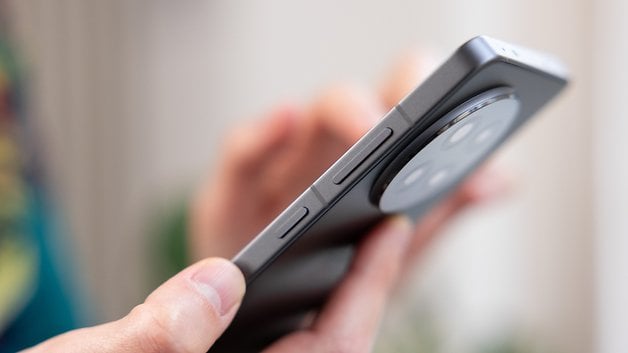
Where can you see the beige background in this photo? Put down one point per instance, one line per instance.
(133, 98)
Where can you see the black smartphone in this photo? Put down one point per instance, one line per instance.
(420, 151)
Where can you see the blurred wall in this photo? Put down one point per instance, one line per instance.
(133, 98)
(610, 54)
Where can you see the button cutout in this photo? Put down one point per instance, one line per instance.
(295, 217)
(362, 154)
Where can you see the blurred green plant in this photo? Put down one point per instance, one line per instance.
(167, 240)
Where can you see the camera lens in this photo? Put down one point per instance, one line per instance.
(467, 135)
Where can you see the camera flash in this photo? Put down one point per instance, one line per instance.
(461, 133)
(462, 138)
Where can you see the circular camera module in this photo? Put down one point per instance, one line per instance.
(463, 138)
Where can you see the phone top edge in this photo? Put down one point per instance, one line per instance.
(460, 65)
(471, 56)
(541, 62)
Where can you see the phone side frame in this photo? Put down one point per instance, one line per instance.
(413, 114)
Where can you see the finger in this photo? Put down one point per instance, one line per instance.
(354, 310)
(345, 113)
(185, 314)
(489, 182)
(406, 74)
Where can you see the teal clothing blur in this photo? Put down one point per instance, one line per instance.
(50, 305)
(54, 305)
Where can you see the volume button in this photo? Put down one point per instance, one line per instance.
(362, 154)
(293, 219)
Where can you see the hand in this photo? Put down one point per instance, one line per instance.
(350, 319)
(185, 314)
(265, 166)
(192, 309)
(267, 163)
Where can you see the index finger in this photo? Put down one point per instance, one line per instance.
(357, 305)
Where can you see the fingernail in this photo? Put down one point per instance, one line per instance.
(221, 282)
(401, 222)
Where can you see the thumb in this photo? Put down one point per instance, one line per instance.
(185, 314)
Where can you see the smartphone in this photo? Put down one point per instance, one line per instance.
(420, 151)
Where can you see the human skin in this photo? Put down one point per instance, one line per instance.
(192, 309)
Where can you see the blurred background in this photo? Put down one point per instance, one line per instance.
(131, 99)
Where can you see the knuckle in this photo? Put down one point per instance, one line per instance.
(236, 151)
(150, 331)
(232, 142)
